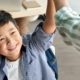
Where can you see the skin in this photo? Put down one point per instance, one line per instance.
(10, 41)
(22, 23)
(60, 3)
(49, 24)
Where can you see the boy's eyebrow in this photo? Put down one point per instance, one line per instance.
(11, 29)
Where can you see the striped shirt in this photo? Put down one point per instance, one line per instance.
(68, 24)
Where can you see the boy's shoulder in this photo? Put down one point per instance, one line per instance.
(26, 38)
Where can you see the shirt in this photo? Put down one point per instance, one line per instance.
(11, 70)
(68, 22)
(33, 62)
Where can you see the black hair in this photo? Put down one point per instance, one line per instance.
(5, 17)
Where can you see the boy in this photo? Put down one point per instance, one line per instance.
(25, 59)
(68, 22)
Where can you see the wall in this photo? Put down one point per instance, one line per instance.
(75, 4)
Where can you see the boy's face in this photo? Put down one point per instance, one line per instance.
(10, 41)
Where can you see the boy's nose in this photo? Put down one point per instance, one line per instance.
(10, 41)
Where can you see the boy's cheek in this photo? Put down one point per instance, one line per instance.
(3, 50)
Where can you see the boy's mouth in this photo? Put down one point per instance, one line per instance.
(13, 48)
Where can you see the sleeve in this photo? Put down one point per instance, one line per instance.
(68, 22)
(66, 16)
(40, 39)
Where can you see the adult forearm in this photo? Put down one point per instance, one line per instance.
(60, 3)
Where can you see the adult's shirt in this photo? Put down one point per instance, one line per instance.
(68, 24)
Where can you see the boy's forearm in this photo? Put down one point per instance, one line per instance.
(50, 12)
(22, 23)
(60, 3)
(49, 24)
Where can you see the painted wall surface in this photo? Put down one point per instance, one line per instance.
(75, 4)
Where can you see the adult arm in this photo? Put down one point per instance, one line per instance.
(60, 3)
(68, 21)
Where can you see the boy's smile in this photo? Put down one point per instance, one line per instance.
(10, 41)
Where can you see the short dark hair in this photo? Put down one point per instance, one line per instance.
(5, 17)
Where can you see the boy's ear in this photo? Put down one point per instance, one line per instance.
(18, 28)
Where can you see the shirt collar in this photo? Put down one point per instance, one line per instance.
(2, 58)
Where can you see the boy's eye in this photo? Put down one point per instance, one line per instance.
(12, 33)
(2, 39)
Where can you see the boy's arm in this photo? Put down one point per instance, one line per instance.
(49, 24)
(42, 37)
(23, 25)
